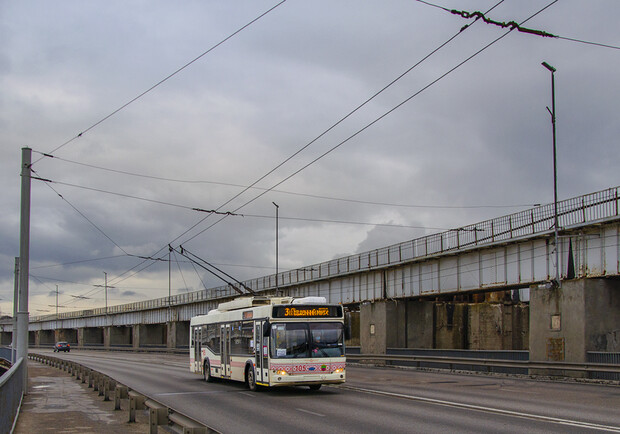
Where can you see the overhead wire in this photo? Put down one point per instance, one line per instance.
(376, 120)
(128, 196)
(314, 196)
(289, 158)
(297, 152)
(166, 78)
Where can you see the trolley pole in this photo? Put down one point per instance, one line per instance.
(24, 264)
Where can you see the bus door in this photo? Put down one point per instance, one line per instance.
(225, 349)
(197, 347)
(260, 354)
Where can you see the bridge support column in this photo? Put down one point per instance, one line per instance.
(581, 316)
(177, 334)
(149, 335)
(382, 325)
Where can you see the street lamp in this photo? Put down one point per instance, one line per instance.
(555, 175)
(277, 208)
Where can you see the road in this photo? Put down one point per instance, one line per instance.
(372, 400)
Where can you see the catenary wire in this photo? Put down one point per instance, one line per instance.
(296, 153)
(376, 120)
(325, 132)
(166, 78)
(314, 196)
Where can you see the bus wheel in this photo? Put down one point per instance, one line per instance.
(250, 379)
(315, 386)
(206, 372)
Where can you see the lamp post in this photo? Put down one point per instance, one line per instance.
(106, 292)
(555, 175)
(277, 209)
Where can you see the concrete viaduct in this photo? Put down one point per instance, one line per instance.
(484, 286)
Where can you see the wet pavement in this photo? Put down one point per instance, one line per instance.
(58, 403)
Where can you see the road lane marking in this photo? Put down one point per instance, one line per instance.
(499, 411)
(310, 412)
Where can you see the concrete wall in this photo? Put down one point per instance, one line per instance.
(583, 315)
(177, 334)
(150, 335)
(498, 326)
(67, 335)
(445, 325)
(451, 326)
(419, 323)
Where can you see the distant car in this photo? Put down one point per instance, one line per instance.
(62, 346)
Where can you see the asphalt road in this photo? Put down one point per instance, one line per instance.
(372, 400)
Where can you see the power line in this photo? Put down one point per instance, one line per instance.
(590, 43)
(128, 196)
(165, 79)
(296, 153)
(376, 120)
(314, 196)
(86, 218)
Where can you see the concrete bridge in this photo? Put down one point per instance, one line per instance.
(487, 285)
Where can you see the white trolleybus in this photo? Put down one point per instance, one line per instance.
(270, 341)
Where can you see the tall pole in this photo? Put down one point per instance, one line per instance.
(106, 292)
(15, 303)
(24, 263)
(555, 176)
(277, 209)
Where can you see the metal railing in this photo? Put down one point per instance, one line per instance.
(11, 395)
(489, 365)
(587, 209)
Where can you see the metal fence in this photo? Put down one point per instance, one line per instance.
(11, 394)
(587, 209)
(607, 358)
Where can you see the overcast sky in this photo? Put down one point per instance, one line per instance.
(476, 144)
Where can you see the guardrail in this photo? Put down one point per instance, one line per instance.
(11, 395)
(159, 414)
(491, 365)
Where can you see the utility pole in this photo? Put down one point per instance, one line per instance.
(555, 176)
(106, 292)
(15, 303)
(277, 209)
(24, 264)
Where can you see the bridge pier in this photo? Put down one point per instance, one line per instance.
(66, 335)
(395, 324)
(115, 336)
(46, 337)
(583, 315)
(177, 334)
(153, 335)
(90, 336)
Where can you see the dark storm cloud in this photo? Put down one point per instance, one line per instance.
(479, 136)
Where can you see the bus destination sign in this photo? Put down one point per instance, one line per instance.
(304, 311)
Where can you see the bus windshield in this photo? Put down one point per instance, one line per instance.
(309, 340)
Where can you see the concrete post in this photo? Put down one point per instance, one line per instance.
(24, 263)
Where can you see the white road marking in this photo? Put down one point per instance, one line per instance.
(512, 413)
(310, 412)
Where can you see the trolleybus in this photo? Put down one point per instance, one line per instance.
(271, 341)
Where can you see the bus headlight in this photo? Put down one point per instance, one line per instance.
(281, 372)
(338, 371)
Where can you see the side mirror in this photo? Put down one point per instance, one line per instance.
(266, 329)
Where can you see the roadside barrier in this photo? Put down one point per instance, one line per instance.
(159, 414)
